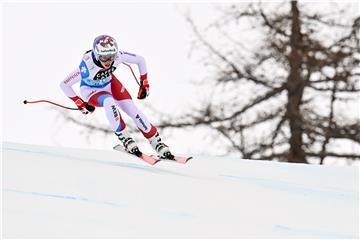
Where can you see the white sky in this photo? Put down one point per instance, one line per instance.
(43, 42)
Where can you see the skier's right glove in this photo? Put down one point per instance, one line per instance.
(84, 107)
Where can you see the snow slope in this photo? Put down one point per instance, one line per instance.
(71, 193)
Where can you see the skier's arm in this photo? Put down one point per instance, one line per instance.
(140, 61)
(66, 86)
(135, 59)
(71, 79)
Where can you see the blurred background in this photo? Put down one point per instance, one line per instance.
(272, 80)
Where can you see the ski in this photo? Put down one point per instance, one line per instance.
(142, 156)
(152, 159)
(182, 159)
(176, 159)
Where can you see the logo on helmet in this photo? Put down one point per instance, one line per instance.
(104, 45)
(106, 42)
(107, 50)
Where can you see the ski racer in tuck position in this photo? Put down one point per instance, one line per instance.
(100, 88)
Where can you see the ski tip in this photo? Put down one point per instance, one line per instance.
(182, 159)
(116, 147)
(155, 162)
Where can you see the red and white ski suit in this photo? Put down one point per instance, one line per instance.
(99, 87)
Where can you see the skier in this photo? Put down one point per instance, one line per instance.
(100, 88)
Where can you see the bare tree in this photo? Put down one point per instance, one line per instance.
(297, 81)
(283, 94)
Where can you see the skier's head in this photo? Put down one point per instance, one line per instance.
(105, 49)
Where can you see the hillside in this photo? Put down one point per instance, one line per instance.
(52, 192)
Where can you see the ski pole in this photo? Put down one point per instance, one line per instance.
(132, 73)
(69, 108)
(46, 101)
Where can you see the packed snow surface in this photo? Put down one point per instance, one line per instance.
(50, 192)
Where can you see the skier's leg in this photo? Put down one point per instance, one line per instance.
(106, 100)
(102, 97)
(148, 130)
(141, 121)
(124, 101)
(117, 122)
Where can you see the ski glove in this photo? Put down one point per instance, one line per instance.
(144, 87)
(84, 107)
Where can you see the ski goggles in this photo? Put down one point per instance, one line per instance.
(106, 58)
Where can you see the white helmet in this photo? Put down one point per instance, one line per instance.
(104, 45)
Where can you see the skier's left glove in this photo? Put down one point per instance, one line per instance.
(84, 107)
(144, 87)
(87, 109)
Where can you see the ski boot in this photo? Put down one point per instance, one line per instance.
(161, 148)
(129, 143)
